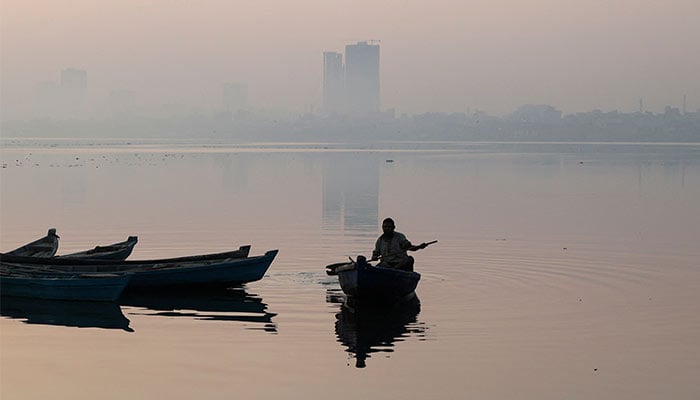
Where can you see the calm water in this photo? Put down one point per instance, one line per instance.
(563, 271)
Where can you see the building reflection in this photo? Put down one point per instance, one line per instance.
(235, 304)
(78, 314)
(351, 193)
(364, 331)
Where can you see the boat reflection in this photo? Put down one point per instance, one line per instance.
(234, 304)
(79, 314)
(372, 330)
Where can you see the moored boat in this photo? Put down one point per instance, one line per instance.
(95, 265)
(117, 251)
(194, 272)
(47, 246)
(88, 287)
(43, 247)
(364, 282)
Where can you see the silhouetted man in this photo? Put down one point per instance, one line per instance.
(391, 247)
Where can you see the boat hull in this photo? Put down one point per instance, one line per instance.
(222, 274)
(108, 266)
(116, 252)
(367, 283)
(196, 272)
(88, 288)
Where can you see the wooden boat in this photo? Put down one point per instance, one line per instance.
(117, 251)
(48, 245)
(89, 287)
(374, 284)
(218, 270)
(44, 247)
(89, 265)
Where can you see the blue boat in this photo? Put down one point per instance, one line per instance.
(363, 282)
(221, 273)
(218, 270)
(117, 251)
(88, 287)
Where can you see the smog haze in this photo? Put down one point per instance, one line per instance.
(438, 56)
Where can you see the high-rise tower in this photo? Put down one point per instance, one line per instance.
(333, 77)
(362, 77)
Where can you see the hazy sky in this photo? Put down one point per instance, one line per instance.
(439, 55)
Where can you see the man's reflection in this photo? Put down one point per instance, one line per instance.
(370, 330)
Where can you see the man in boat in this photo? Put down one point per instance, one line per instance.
(391, 247)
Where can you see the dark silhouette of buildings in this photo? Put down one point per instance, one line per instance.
(65, 99)
(362, 77)
(353, 88)
(333, 82)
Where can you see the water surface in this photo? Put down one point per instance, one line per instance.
(563, 270)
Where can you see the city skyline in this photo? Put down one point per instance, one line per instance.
(444, 56)
(353, 87)
(67, 98)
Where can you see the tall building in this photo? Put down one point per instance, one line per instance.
(362, 77)
(333, 77)
(235, 96)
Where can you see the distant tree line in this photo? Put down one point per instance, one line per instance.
(528, 123)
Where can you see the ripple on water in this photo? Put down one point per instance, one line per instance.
(488, 267)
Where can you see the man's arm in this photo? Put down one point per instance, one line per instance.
(375, 252)
(418, 247)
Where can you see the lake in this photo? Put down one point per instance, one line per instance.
(562, 270)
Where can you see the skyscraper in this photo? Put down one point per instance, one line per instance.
(333, 77)
(362, 77)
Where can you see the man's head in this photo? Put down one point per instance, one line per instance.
(388, 226)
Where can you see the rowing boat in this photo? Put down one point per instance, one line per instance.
(364, 282)
(51, 286)
(218, 270)
(43, 247)
(117, 251)
(48, 245)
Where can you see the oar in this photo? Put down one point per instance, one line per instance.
(331, 269)
(399, 252)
